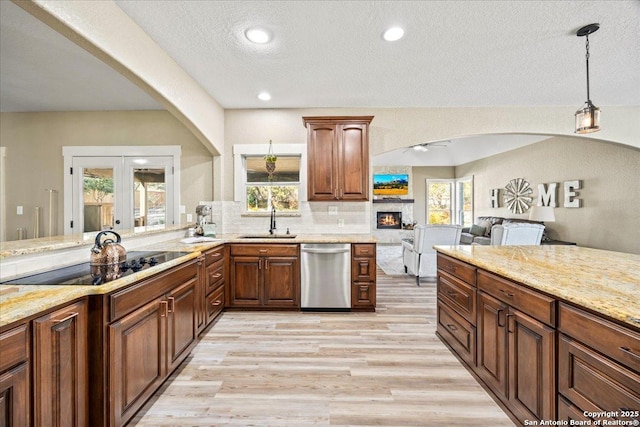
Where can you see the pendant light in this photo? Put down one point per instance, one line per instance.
(588, 117)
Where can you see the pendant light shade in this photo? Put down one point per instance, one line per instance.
(588, 117)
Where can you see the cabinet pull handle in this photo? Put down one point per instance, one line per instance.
(509, 328)
(263, 251)
(629, 352)
(451, 294)
(217, 275)
(452, 327)
(163, 309)
(216, 254)
(216, 303)
(501, 325)
(171, 305)
(69, 317)
(260, 264)
(507, 294)
(451, 267)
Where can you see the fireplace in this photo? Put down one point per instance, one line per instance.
(391, 220)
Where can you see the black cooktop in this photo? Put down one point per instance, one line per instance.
(86, 274)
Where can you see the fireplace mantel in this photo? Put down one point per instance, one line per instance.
(393, 200)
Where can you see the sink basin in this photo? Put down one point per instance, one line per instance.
(268, 236)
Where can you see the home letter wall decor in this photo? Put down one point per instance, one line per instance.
(547, 196)
(494, 195)
(570, 199)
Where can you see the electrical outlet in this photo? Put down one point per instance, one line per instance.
(19, 210)
(333, 210)
(340, 222)
(189, 217)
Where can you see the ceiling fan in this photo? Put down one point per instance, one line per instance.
(426, 146)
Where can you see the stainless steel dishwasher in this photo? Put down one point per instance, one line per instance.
(325, 274)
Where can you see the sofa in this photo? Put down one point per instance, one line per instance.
(480, 232)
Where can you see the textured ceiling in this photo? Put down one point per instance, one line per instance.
(454, 53)
(331, 54)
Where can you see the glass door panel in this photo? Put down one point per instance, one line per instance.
(97, 194)
(150, 202)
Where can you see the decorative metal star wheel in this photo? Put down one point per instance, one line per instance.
(517, 195)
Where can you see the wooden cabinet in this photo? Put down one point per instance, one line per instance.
(153, 330)
(599, 365)
(456, 308)
(14, 377)
(516, 352)
(363, 277)
(264, 276)
(210, 297)
(60, 367)
(338, 158)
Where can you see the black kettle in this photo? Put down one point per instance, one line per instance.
(108, 251)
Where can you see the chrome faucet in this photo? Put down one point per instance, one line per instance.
(272, 224)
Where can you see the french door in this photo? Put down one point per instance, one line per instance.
(119, 192)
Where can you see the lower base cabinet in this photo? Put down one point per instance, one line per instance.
(14, 396)
(60, 367)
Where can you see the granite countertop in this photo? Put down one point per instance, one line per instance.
(22, 301)
(602, 281)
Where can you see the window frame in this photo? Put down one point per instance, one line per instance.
(242, 151)
(455, 209)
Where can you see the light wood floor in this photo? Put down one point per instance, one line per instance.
(332, 369)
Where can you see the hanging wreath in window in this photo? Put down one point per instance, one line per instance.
(270, 161)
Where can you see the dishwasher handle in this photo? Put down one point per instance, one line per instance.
(325, 251)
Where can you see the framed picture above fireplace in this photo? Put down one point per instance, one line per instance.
(385, 184)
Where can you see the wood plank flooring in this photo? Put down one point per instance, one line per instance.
(326, 369)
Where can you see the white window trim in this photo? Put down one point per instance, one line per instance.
(454, 208)
(240, 172)
(70, 152)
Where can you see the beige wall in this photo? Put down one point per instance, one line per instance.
(34, 159)
(610, 174)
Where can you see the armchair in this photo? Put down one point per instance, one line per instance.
(516, 233)
(419, 257)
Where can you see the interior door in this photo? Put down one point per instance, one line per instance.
(97, 194)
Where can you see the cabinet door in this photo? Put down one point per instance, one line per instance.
(201, 296)
(492, 343)
(532, 390)
(353, 165)
(322, 152)
(363, 295)
(181, 322)
(245, 281)
(137, 359)
(281, 282)
(14, 396)
(60, 369)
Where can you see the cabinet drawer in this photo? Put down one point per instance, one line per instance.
(459, 269)
(364, 250)
(593, 382)
(568, 412)
(538, 306)
(458, 295)
(127, 300)
(214, 255)
(619, 343)
(458, 333)
(14, 346)
(215, 303)
(265, 250)
(215, 276)
(363, 269)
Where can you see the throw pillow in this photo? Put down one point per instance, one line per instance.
(476, 230)
(486, 225)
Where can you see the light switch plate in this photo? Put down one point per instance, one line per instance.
(333, 210)
(340, 222)
(19, 210)
(183, 209)
(189, 217)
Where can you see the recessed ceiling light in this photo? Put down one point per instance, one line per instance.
(258, 35)
(393, 34)
(264, 96)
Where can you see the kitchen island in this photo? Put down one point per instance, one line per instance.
(126, 336)
(552, 332)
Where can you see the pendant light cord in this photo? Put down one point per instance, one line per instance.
(587, 56)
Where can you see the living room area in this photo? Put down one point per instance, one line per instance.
(586, 185)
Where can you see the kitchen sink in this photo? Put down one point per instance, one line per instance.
(268, 236)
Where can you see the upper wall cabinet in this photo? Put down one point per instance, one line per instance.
(338, 158)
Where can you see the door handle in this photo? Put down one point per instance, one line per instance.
(163, 309)
(69, 317)
(171, 305)
(509, 328)
(501, 325)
